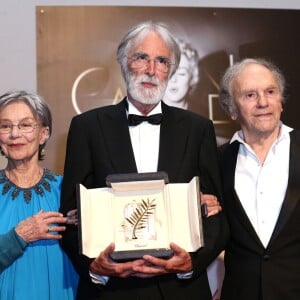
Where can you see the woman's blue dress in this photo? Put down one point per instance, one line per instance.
(43, 271)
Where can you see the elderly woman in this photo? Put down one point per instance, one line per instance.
(185, 79)
(32, 264)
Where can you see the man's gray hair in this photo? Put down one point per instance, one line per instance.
(226, 93)
(136, 34)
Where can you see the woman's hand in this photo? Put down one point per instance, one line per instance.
(41, 226)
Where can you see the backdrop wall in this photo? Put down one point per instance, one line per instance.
(18, 31)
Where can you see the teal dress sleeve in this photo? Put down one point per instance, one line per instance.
(11, 247)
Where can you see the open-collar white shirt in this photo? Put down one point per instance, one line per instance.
(261, 188)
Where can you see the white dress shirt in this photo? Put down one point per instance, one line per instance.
(145, 141)
(260, 187)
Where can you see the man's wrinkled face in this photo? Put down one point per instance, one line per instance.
(149, 64)
(258, 100)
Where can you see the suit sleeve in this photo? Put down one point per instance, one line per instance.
(215, 228)
(77, 169)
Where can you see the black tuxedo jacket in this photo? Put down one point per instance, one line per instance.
(98, 145)
(252, 271)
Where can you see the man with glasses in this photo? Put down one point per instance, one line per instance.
(142, 134)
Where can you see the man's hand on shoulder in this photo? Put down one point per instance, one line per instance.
(213, 206)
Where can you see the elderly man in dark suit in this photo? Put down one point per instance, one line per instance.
(261, 179)
(112, 140)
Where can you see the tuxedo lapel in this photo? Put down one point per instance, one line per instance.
(113, 122)
(292, 193)
(173, 137)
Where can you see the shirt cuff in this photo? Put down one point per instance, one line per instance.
(102, 280)
(98, 279)
(186, 275)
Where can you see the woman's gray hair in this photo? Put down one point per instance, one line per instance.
(226, 93)
(136, 34)
(37, 105)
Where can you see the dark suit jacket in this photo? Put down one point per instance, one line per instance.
(252, 271)
(98, 145)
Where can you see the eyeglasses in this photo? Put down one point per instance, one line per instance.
(23, 127)
(142, 61)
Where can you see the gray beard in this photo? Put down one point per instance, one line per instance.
(144, 95)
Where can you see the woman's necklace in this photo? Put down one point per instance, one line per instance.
(24, 180)
(40, 187)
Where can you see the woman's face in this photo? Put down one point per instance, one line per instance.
(16, 144)
(179, 83)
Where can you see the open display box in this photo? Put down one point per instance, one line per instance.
(142, 214)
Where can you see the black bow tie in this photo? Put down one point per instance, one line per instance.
(134, 120)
